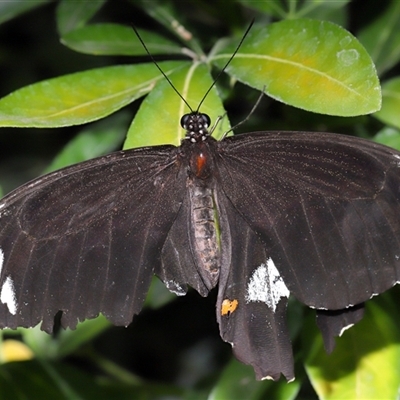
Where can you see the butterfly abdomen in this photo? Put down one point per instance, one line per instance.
(204, 234)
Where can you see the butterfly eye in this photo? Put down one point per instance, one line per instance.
(185, 121)
(205, 120)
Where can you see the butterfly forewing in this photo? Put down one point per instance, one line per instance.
(86, 239)
(326, 206)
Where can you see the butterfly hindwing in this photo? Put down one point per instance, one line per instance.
(87, 238)
(334, 323)
(252, 300)
(178, 268)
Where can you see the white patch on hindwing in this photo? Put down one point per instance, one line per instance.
(266, 285)
(7, 295)
(175, 288)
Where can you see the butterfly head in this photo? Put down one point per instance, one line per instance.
(196, 126)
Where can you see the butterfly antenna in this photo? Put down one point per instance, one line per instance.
(226, 65)
(215, 80)
(248, 115)
(159, 68)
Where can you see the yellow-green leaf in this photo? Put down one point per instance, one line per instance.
(81, 97)
(314, 65)
(366, 361)
(158, 119)
(237, 382)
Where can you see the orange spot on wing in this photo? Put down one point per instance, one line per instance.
(229, 306)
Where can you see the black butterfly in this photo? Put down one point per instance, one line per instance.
(262, 215)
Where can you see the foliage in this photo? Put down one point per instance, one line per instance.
(315, 75)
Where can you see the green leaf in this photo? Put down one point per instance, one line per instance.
(158, 294)
(69, 340)
(314, 65)
(382, 38)
(273, 8)
(164, 13)
(158, 119)
(72, 14)
(237, 382)
(170, 18)
(12, 9)
(95, 140)
(44, 380)
(32, 379)
(114, 39)
(328, 10)
(317, 9)
(41, 343)
(81, 97)
(389, 113)
(366, 361)
(389, 137)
